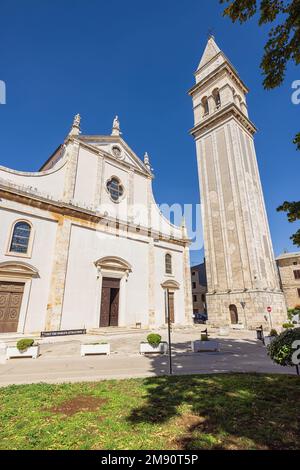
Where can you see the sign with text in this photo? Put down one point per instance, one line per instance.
(46, 334)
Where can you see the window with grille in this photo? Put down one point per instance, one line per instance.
(115, 189)
(168, 262)
(20, 238)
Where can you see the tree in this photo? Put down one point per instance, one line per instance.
(282, 349)
(293, 214)
(282, 46)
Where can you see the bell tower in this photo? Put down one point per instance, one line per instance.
(241, 271)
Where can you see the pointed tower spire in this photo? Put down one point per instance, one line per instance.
(75, 129)
(211, 50)
(116, 127)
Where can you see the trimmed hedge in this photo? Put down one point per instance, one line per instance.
(24, 344)
(154, 339)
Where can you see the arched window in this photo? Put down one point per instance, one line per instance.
(205, 105)
(168, 263)
(115, 188)
(20, 238)
(234, 317)
(217, 98)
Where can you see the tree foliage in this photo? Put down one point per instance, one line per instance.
(283, 44)
(293, 214)
(281, 349)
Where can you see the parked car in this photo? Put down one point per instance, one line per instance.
(200, 318)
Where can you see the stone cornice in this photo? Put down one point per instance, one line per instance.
(231, 110)
(227, 67)
(21, 195)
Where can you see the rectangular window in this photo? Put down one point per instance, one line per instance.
(298, 292)
(194, 298)
(194, 285)
(297, 274)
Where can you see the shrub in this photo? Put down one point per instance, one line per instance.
(273, 332)
(24, 344)
(281, 350)
(154, 339)
(288, 325)
(290, 314)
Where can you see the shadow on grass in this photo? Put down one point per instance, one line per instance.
(224, 411)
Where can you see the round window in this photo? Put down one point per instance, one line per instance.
(115, 189)
(116, 151)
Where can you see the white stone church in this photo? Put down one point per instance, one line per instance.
(83, 244)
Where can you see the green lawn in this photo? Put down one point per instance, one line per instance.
(232, 411)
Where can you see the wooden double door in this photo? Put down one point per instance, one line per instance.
(110, 299)
(11, 295)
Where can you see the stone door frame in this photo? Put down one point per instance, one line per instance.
(116, 268)
(17, 271)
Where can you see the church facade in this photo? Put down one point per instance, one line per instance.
(242, 277)
(84, 245)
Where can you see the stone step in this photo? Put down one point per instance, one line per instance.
(14, 337)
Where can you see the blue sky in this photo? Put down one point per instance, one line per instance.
(136, 59)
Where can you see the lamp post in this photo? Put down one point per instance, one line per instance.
(243, 304)
(169, 329)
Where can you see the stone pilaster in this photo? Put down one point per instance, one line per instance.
(70, 179)
(99, 182)
(58, 277)
(187, 288)
(151, 284)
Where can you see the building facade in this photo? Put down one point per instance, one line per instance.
(289, 271)
(199, 288)
(241, 271)
(84, 245)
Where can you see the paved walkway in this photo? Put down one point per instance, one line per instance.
(60, 359)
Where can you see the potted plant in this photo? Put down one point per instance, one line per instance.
(268, 339)
(154, 344)
(24, 348)
(205, 344)
(100, 347)
(284, 349)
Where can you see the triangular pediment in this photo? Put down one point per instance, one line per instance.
(114, 147)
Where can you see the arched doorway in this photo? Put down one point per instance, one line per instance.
(234, 317)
